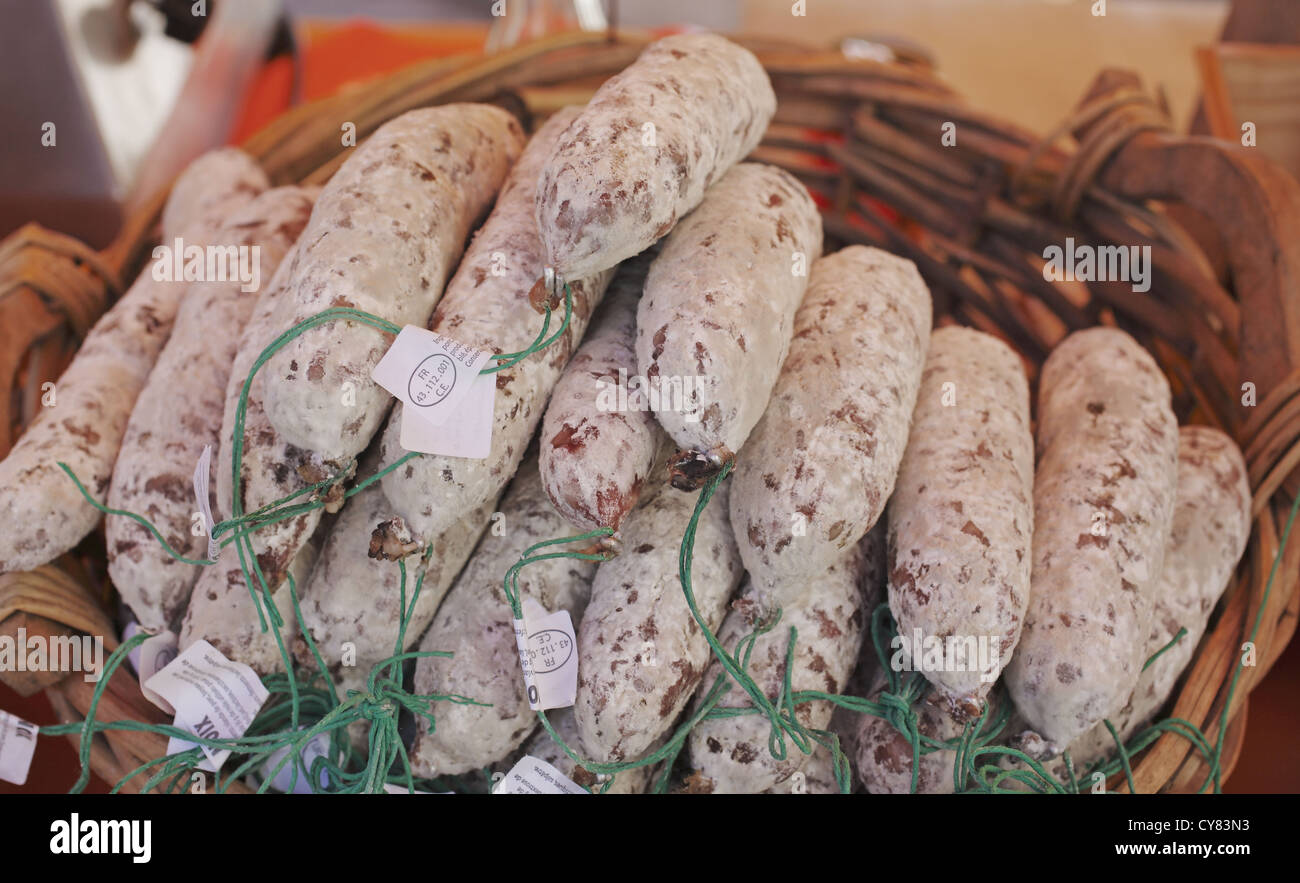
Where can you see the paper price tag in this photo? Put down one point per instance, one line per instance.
(535, 776)
(429, 373)
(548, 656)
(17, 745)
(469, 435)
(213, 697)
(202, 477)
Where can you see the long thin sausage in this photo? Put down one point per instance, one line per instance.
(487, 307)
(179, 411)
(647, 146)
(386, 232)
(43, 513)
(961, 519)
(1103, 503)
(822, 462)
(221, 609)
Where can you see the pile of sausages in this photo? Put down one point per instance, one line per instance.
(873, 457)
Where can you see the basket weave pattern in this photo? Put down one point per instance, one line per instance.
(867, 139)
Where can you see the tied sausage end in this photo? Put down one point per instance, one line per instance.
(692, 470)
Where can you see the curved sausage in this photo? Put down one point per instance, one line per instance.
(43, 512)
(1103, 505)
(647, 146)
(718, 310)
(961, 519)
(385, 234)
(180, 410)
(822, 462)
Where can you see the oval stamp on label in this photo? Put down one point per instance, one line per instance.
(432, 380)
(549, 649)
(546, 642)
(430, 373)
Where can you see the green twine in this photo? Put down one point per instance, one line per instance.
(975, 767)
(384, 697)
(1182, 632)
(379, 705)
(385, 694)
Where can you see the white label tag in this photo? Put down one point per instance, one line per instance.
(157, 653)
(317, 746)
(213, 697)
(430, 373)
(17, 745)
(176, 746)
(469, 435)
(202, 477)
(535, 776)
(548, 656)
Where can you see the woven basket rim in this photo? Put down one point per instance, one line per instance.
(877, 108)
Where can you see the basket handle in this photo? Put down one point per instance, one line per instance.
(1255, 205)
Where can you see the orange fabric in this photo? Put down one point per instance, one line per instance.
(269, 96)
(333, 56)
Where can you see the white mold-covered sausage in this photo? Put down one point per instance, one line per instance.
(1103, 504)
(641, 654)
(719, 305)
(595, 454)
(1211, 527)
(816, 776)
(829, 618)
(821, 464)
(179, 411)
(647, 146)
(43, 513)
(883, 759)
(475, 624)
(543, 747)
(221, 609)
(487, 307)
(961, 519)
(212, 187)
(386, 232)
(355, 598)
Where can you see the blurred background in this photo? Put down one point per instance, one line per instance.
(106, 100)
(108, 73)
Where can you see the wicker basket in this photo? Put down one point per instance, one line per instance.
(865, 138)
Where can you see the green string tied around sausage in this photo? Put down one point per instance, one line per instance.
(979, 765)
(978, 762)
(279, 724)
